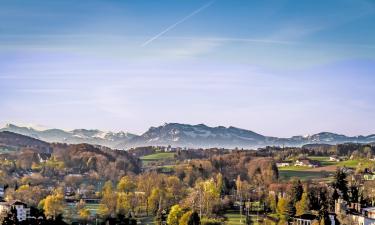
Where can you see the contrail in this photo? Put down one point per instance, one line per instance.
(178, 22)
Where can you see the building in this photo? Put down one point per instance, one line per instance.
(23, 212)
(360, 219)
(2, 191)
(369, 212)
(282, 164)
(306, 162)
(43, 157)
(358, 216)
(305, 219)
(369, 176)
(334, 159)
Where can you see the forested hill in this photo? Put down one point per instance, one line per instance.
(60, 158)
(13, 141)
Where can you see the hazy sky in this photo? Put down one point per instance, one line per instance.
(281, 68)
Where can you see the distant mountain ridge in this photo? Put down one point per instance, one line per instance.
(182, 135)
(77, 136)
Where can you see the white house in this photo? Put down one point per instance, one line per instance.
(21, 208)
(2, 191)
(305, 162)
(334, 159)
(282, 164)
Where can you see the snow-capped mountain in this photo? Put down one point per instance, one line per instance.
(200, 135)
(96, 137)
(183, 135)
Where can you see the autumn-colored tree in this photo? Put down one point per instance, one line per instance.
(146, 183)
(190, 218)
(126, 184)
(184, 220)
(174, 215)
(209, 196)
(84, 214)
(156, 199)
(53, 205)
(31, 195)
(108, 203)
(175, 190)
(124, 203)
(302, 206)
(272, 204)
(282, 209)
(262, 171)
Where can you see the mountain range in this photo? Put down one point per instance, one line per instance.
(182, 135)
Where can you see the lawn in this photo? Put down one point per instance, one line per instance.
(323, 160)
(71, 208)
(324, 172)
(234, 218)
(301, 174)
(158, 156)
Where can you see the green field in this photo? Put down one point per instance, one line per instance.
(158, 156)
(301, 174)
(352, 163)
(234, 218)
(324, 172)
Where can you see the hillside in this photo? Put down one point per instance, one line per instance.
(9, 140)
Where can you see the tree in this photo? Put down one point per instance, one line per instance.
(146, 183)
(84, 214)
(108, 203)
(126, 184)
(282, 209)
(53, 205)
(323, 211)
(174, 215)
(341, 184)
(209, 196)
(296, 191)
(272, 204)
(124, 203)
(302, 206)
(262, 171)
(190, 218)
(156, 199)
(31, 195)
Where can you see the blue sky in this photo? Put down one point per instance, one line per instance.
(279, 68)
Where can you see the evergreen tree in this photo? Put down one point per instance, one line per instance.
(341, 184)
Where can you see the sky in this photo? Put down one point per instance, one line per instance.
(279, 68)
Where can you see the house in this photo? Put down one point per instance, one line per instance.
(361, 219)
(334, 159)
(22, 211)
(2, 191)
(305, 219)
(43, 157)
(282, 164)
(306, 162)
(358, 216)
(369, 212)
(369, 176)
